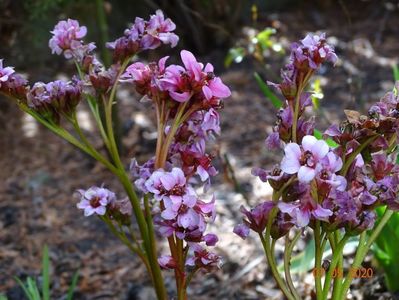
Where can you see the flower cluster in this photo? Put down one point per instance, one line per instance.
(186, 99)
(144, 35)
(67, 40)
(306, 57)
(338, 187)
(55, 98)
(12, 83)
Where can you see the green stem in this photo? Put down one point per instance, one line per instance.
(156, 271)
(289, 246)
(336, 255)
(283, 287)
(160, 161)
(363, 248)
(337, 280)
(318, 258)
(94, 153)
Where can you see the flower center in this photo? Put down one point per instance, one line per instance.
(95, 202)
(177, 190)
(307, 159)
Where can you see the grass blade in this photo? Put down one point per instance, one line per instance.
(73, 285)
(45, 274)
(24, 288)
(267, 92)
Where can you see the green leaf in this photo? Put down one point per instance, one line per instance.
(267, 92)
(2, 297)
(45, 274)
(73, 285)
(263, 38)
(32, 287)
(24, 288)
(319, 135)
(386, 252)
(395, 71)
(234, 55)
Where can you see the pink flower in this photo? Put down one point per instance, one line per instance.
(302, 211)
(202, 258)
(304, 160)
(95, 200)
(67, 37)
(331, 164)
(5, 72)
(183, 83)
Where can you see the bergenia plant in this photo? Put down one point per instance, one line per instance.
(162, 192)
(333, 191)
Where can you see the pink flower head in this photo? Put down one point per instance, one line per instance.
(170, 185)
(145, 77)
(183, 83)
(305, 160)
(95, 200)
(5, 73)
(256, 219)
(159, 30)
(202, 258)
(144, 35)
(67, 36)
(302, 211)
(312, 51)
(331, 164)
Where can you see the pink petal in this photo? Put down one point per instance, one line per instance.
(219, 89)
(306, 174)
(180, 97)
(302, 217)
(322, 213)
(308, 141)
(207, 92)
(320, 149)
(191, 64)
(168, 181)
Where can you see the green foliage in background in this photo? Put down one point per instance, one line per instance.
(31, 289)
(386, 251)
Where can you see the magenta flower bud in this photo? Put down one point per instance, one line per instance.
(167, 262)
(241, 230)
(257, 217)
(210, 239)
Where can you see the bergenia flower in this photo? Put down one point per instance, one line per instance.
(305, 160)
(67, 37)
(331, 164)
(313, 50)
(144, 35)
(183, 83)
(202, 258)
(5, 72)
(95, 200)
(302, 211)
